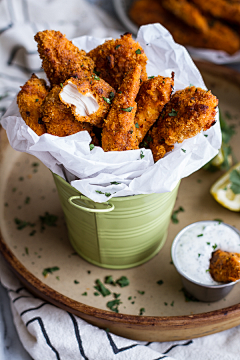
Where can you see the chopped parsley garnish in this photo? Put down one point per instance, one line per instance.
(151, 77)
(109, 280)
(116, 295)
(32, 233)
(123, 281)
(137, 126)
(141, 292)
(76, 282)
(141, 155)
(27, 200)
(199, 255)
(160, 282)
(219, 220)
(101, 288)
(111, 95)
(91, 147)
(21, 178)
(235, 181)
(115, 183)
(35, 164)
(57, 277)
(113, 305)
(99, 192)
(207, 270)
(133, 302)
(50, 270)
(172, 303)
(214, 246)
(184, 150)
(107, 100)
(163, 82)
(14, 189)
(84, 294)
(129, 109)
(96, 293)
(138, 51)
(107, 194)
(205, 135)
(97, 72)
(6, 204)
(130, 298)
(21, 224)
(26, 251)
(118, 46)
(141, 311)
(175, 213)
(89, 271)
(36, 100)
(96, 77)
(165, 303)
(199, 235)
(61, 85)
(120, 92)
(208, 243)
(173, 113)
(48, 219)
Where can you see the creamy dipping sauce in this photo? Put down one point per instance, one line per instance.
(195, 245)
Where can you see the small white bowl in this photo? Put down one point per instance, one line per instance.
(202, 292)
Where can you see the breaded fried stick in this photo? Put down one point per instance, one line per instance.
(29, 101)
(221, 9)
(119, 131)
(60, 58)
(153, 95)
(225, 266)
(188, 13)
(188, 112)
(219, 36)
(89, 99)
(58, 118)
(115, 58)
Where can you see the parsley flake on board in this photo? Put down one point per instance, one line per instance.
(107, 100)
(84, 294)
(48, 219)
(129, 109)
(173, 113)
(32, 233)
(96, 293)
(76, 282)
(113, 305)
(141, 311)
(91, 147)
(160, 282)
(235, 181)
(101, 288)
(27, 200)
(175, 213)
(21, 224)
(50, 270)
(123, 281)
(141, 292)
(116, 295)
(26, 251)
(138, 51)
(172, 303)
(109, 280)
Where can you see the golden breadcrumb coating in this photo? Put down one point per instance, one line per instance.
(102, 92)
(219, 36)
(119, 131)
(115, 58)
(153, 95)
(29, 101)
(60, 58)
(225, 266)
(188, 112)
(58, 118)
(221, 9)
(188, 13)
(158, 146)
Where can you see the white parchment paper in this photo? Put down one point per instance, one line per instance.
(96, 169)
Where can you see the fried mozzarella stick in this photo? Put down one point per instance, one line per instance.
(58, 118)
(115, 58)
(188, 13)
(29, 101)
(225, 266)
(89, 99)
(153, 95)
(60, 58)
(119, 131)
(221, 9)
(188, 112)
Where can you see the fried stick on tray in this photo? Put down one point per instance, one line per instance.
(153, 95)
(58, 118)
(187, 12)
(60, 58)
(89, 99)
(119, 131)
(115, 58)
(188, 112)
(225, 266)
(29, 101)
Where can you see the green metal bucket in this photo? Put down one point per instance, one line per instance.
(122, 233)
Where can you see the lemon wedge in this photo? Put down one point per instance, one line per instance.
(218, 159)
(222, 192)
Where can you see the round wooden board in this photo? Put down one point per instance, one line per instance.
(27, 191)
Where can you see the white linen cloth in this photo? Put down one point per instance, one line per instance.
(47, 332)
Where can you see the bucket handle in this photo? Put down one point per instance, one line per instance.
(70, 200)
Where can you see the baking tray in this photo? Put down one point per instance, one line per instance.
(27, 191)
